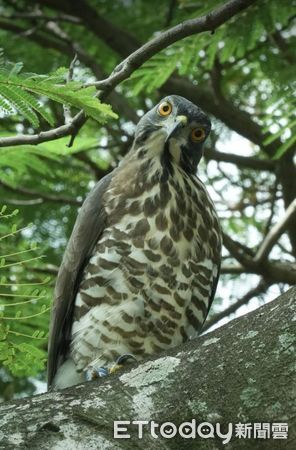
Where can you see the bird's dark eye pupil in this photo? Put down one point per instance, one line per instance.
(166, 108)
(198, 133)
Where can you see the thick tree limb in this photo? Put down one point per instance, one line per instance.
(240, 373)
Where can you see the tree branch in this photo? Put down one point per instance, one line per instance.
(170, 13)
(96, 170)
(123, 43)
(208, 22)
(275, 233)
(242, 161)
(40, 197)
(18, 202)
(116, 38)
(50, 269)
(67, 108)
(66, 45)
(43, 17)
(287, 177)
(275, 271)
(242, 372)
(235, 118)
(44, 136)
(232, 269)
(261, 287)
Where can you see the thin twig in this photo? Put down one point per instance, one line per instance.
(49, 269)
(208, 22)
(42, 17)
(275, 233)
(232, 269)
(67, 108)
(243, 161)
(18, 202)
(273, 200)
(261, 287)
(280, 272)
(170, 13)
(40, 197)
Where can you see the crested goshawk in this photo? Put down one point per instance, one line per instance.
(141, 267)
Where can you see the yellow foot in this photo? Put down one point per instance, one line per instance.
(115, 368)
(99, 372)
(120, 362)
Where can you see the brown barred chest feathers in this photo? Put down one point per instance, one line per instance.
(148, 283)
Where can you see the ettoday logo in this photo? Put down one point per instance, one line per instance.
(203, 430)
(168, 430)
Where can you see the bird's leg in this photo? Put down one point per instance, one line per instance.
(94, 372)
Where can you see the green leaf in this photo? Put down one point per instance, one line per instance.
(13, 96)
(274, 136)
(285, 147)
(16, 91)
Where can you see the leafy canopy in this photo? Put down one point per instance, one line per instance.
(247, 66)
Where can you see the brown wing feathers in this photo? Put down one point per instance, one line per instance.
(88, 227)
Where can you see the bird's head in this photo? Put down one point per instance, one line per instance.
(175, 129)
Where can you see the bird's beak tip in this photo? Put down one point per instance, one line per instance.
(182, 120)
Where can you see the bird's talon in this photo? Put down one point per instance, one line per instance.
(121, 361)
(93, 373)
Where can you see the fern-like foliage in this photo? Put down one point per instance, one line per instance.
(282, 114)
(21, 93)
(227, 42)
(196, 56)
(15, 163)
(24, 301)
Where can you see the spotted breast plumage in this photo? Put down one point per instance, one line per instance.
(142, 264)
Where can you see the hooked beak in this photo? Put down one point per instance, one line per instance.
(179, 122)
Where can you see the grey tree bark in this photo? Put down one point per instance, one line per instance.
(243, 372)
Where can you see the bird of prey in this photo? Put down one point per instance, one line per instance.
(141, 267)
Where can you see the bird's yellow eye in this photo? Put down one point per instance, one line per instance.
(165, 108)
(197, 134)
